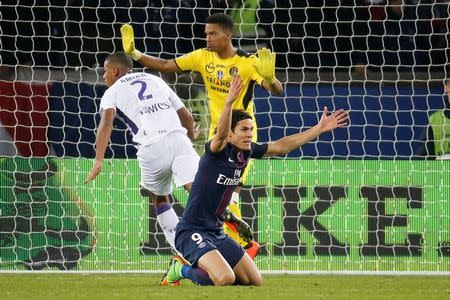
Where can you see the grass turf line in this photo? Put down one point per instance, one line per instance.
(277, 287)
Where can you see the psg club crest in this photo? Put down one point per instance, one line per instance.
(220, 74)
(233, 71)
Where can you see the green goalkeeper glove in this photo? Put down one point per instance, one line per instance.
(128, 42)
(265, 66)
(243, 229)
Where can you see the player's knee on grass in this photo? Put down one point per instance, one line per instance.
(224, 278)
(217, 267)
(256, 279)
(247, 273)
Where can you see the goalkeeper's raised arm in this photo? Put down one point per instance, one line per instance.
(151, 62)
(265, 66)
(218, 41)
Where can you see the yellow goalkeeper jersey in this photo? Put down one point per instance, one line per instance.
(216, 73)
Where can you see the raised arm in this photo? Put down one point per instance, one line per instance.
(219, 140)
(265, 66)
(101, 142)
(292, 142)
(151, 62)
(274, 88)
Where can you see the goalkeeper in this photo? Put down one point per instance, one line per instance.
(217, 63)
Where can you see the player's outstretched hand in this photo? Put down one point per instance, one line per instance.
(128, 42)
(95, 170)
(265, 66)
(329, 122)
(235, 88)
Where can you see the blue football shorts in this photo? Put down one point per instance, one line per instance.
(194, 243)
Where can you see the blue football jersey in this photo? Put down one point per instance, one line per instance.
(217, 177)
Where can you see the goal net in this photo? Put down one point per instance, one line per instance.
(368, 198)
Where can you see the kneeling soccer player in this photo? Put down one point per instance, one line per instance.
(215, 258)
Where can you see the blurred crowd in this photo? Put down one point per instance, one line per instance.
(389, 34)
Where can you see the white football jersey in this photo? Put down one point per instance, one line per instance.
(147, 105)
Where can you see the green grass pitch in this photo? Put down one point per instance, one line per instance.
(276, 287)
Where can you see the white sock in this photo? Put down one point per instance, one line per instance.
(168, 220)
(234, 198)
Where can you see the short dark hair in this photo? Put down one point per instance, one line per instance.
(120, 59)
(238, 115)
(447, 81)
(221, 19)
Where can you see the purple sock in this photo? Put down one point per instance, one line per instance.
(197, 275)
(162, 208)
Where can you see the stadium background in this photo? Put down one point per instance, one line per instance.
(357, 55)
